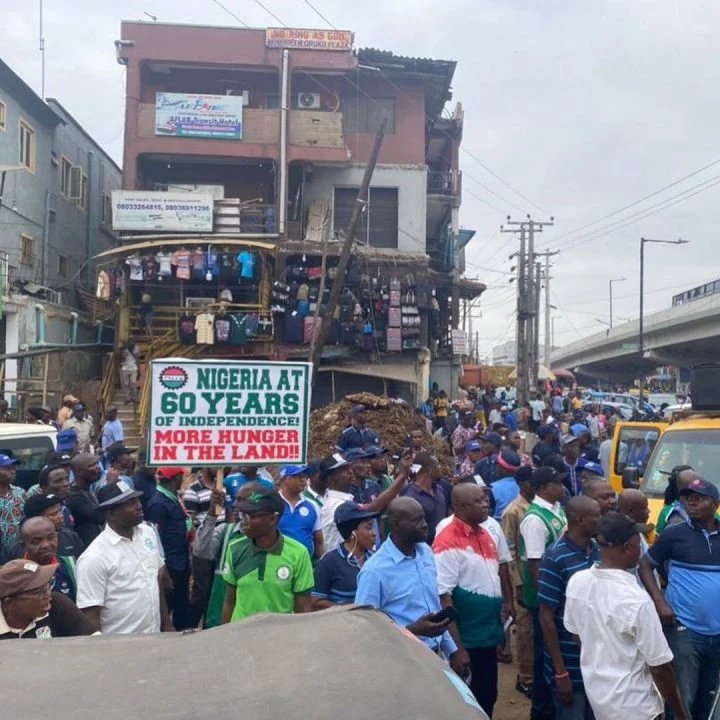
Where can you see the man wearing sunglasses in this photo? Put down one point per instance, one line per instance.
(265, 571)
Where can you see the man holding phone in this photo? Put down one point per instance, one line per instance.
(469, 581)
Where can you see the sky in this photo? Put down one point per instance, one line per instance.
(573, 110)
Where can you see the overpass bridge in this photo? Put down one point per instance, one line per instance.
(682, 336)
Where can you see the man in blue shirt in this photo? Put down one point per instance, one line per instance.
(574, 551)
(357, 435)
(301, 518)
(547, 445)
(571, 453)
(112, 431)
(166, 511)
(401, 580)
(689, 609)
(505, 489)
(487, 467)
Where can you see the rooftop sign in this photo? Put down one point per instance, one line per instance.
(301, 39)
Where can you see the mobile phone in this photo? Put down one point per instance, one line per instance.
(448, 613)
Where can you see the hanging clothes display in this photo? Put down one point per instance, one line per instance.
(186, 330)
(198, 263)
(222, 328)
(103, 290)
(181, 260)
(151, 268)
(136, 267)
(205, 327)
(246, 261)
(165, 261)
(213, 266)
(238, 330)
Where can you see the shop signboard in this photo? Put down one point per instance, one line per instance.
(306, 39)
(199, 116)
(459, 342)
(168, 212)
(228, 412)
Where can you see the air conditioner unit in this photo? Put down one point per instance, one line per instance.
(308, 101)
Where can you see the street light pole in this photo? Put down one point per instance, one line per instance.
(611, 309)
(641, 346)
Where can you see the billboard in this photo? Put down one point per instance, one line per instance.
(228, 412)
(155, 210)
(199, 116)
(301, 39)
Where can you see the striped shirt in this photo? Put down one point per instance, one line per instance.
(559, 563)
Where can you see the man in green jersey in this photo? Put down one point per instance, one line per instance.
(265, 571)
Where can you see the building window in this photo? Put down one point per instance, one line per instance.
(378, 225)
(62, 266)
(106, 210)
(27, 254)
(3, 116)
(364, 115)
(65, 168)
(83, 201)
(27, 146)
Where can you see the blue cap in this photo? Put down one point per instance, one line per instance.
(7, 461)
(545, 430)
(357, 409)
(356, 454)
(352, 512)
(373, 451)
(700, 486)
(492, 437)
(472, 446)
(66, 440)
(593, 468)
(313, 467)
(294, 470)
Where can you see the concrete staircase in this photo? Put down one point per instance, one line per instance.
(127, 415)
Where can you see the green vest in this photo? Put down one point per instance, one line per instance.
(213, 614)
(555, 525)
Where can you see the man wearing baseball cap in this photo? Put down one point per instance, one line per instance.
(66, 442)
(28, 607)
(119, 466)
(505, 489)
(83, 427)
(265, 571)
(166, 511)
(357, 434)
(624, 656)
(486, 468)
(118, 576)
(689, 608)
(337, 571)
(12, 499)
(301, 517)
(473, 455)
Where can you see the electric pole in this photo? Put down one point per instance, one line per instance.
(528, 304)
(548, 345)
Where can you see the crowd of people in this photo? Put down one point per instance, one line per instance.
(511, 540)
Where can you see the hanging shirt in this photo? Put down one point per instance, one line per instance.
(198, 263)
(238, 330)
(204, 327)
(212, 263)
(222, 328)
(151, 268)
(136, 268)
(186, 330)
(103, 286)
(247, 264)
(181, 260)
(165, 260)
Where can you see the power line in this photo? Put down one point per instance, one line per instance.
(270, 12)
(231, 13)
(319, 14)
(637, 202)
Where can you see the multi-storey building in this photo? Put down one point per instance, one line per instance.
(244, 153)
(55, 189)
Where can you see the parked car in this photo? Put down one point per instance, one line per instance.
(626, 411)
(30, 444)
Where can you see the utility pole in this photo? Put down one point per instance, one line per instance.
(521, 313)
(546, 353)
(359, 207)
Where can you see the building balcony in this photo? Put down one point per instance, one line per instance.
(445, 184)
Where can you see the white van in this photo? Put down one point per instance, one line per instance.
(31, 445)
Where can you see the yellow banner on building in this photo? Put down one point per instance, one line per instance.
(303, 39)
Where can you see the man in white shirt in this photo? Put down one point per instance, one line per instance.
(118, 576)
(624, 656)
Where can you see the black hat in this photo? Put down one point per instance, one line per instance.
(262, 500)
(38, 504)
(616, 529)
(117, 493)
(544, 476)
(332, 463)
(349, 515)
(116, 450)
(556, 463)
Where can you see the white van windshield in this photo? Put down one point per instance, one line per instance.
(31, 452)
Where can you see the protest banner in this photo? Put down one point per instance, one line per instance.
(228, 412)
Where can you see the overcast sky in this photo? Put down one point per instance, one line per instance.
(582, 107)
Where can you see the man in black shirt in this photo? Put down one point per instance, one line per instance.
(144, 479)
(89, 521)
